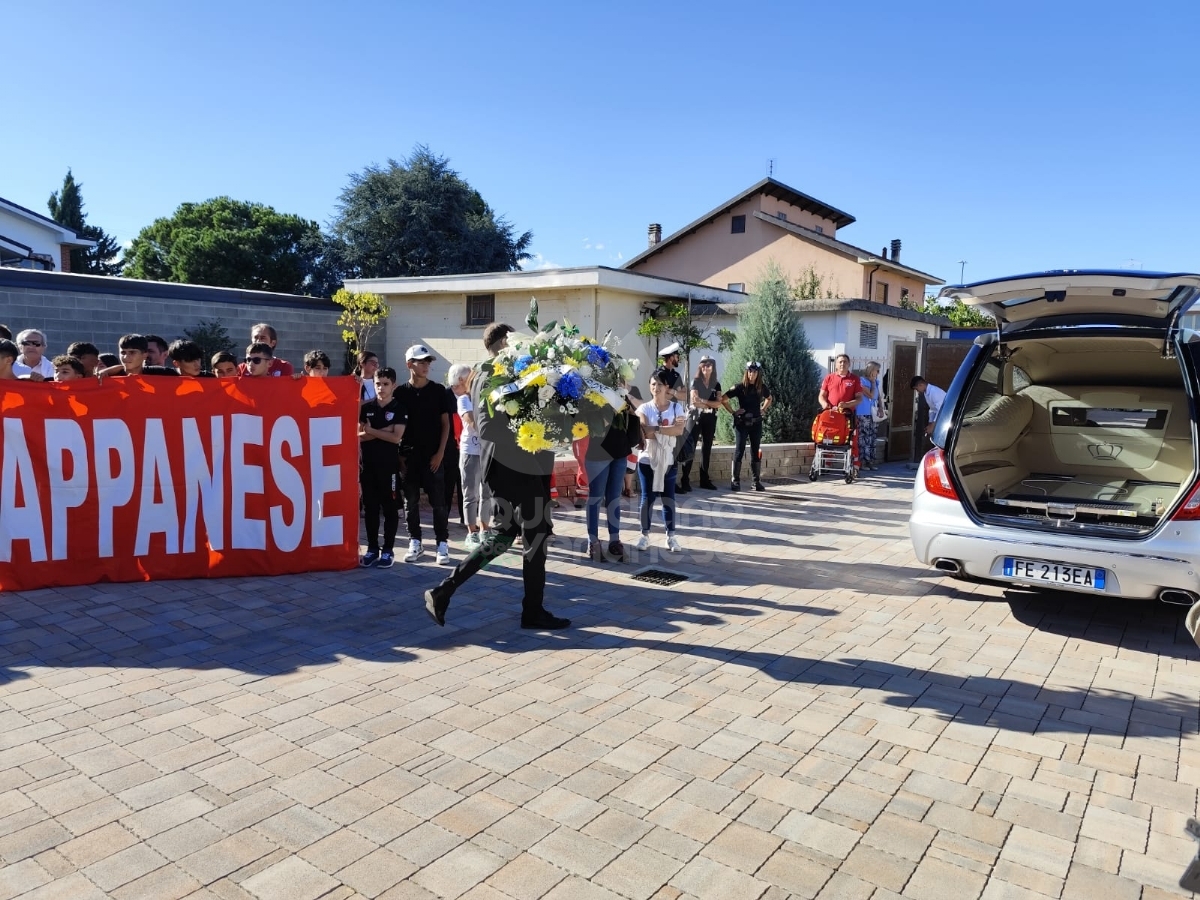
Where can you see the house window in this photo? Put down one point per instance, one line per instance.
(881, 292)
(481, 309)
(820, 229)
(739, 225)
(903, 294)
(868, 335)
(781, 216)
(739, 286)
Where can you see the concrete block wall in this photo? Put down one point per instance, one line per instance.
(91, 308)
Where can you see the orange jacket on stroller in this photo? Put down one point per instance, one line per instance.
(831, 427)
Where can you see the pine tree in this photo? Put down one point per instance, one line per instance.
(770, 332)
(66, 208)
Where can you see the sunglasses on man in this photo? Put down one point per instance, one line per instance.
(31, 343)
(257, 360)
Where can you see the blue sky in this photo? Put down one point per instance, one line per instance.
(1017, 136)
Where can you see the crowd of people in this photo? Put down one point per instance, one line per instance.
(419, 437)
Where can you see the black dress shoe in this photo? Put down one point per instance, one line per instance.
(683, 488)
(735, 485)
(437, 601)
(707, 486)
(758, 486)
(544, 621)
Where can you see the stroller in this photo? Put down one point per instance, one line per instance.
(837, 446)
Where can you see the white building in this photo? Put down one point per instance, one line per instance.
(32, 241)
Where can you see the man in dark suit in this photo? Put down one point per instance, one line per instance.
(521, 494)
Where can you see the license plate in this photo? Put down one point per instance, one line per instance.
(1054, 573)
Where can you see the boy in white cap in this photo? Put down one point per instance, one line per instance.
(424, 445)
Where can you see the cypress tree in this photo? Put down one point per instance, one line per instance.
(66, 208)
(770, 331)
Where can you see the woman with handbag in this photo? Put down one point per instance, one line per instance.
(606, 464)
(662, 423)
(866, 413)
(754, 399)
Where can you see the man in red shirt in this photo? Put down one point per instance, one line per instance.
(841, 389)
(263, 333)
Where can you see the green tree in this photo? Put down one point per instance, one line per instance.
(66, 208)
(771, 332)
(961, 315)
(212, 337)
(677, 321)
(362, 315)
(420, 217)
(230, 243)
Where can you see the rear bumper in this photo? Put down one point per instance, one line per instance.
(940, 529)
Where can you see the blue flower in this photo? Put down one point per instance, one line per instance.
(597, 356)
(571, 386)
(522, 363)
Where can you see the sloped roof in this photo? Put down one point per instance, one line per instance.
(861, 255)
(846, 304)
(771, 188)
(67, 235)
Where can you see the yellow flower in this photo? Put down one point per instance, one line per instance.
(596, 398)
(498, 369)
(579, 430)
(538, 381)
(532, 437)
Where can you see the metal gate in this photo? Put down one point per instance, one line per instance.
(938, 361)
(902, 366)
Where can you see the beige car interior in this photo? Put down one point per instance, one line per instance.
(1069, 424)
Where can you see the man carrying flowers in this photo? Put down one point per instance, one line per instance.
(534, 395)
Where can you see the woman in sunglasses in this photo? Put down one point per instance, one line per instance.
(754, 399)
(32, 363)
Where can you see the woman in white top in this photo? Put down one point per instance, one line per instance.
(662, 420)
(477, 496)
(32, 362)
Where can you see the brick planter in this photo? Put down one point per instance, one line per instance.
(778, 461)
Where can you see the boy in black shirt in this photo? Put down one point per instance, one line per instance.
(424, 446)
(381, 427)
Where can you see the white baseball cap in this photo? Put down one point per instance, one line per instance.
(418, 351)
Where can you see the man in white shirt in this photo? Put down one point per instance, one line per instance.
(934, 397)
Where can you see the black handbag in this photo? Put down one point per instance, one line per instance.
(685, 445)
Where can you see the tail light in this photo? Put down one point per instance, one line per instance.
(937, 475)
(1190, 511)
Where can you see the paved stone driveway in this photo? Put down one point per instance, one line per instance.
(811, 715)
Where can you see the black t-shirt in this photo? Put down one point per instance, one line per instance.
(704, 392)
(380, 455)
(154, 370)
(674, 380)
(750, 398)
(425, 407)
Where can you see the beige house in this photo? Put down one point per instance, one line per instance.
(729, 247)
(448, 313)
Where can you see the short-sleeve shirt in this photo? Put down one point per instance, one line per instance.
(377, 455)
(841, 388)
(278, 367)
(750, 398)
(704, 392)
(468, 442)
(868, 404)
(425, 407)
(674, 380)
(666, 418)
(45, 368)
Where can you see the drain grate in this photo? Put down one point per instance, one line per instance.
(658, 576)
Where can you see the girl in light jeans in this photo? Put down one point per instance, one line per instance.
(477, 496)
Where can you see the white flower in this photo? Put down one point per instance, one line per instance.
(585, 371)
(512, 407)
(562, 409)
(545, 392)
(626, 371)
(553, 376)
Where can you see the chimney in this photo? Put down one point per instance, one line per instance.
(883, 253)
(654, 234)
(896, 250)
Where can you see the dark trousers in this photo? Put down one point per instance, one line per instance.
(753, 433)
(529, 516)
(452, 479)
(380, 492)
(418, 478)
(706, 432)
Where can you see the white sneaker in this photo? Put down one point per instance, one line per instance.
(415, 551)
(472, 539)
(443, 554)
(672, 544)
(643, 543)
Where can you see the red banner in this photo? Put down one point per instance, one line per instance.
(149, 478)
